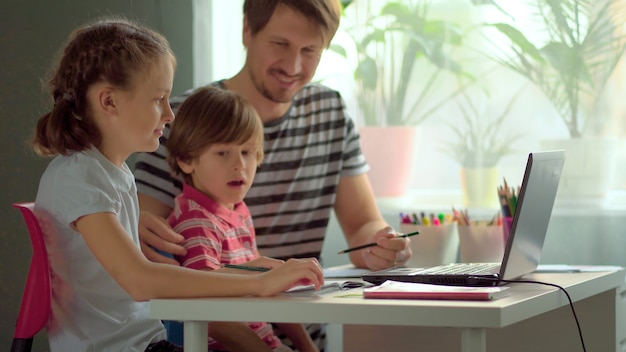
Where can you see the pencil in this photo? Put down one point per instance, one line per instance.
(372, 244)
(246, 267)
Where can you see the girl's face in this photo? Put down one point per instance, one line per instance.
(224, 172)
(143, 111)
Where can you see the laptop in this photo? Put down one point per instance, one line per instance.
(525, 241)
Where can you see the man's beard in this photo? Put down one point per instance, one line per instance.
(275, 98)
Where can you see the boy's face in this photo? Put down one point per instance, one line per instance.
(224, 172)
(283, 56)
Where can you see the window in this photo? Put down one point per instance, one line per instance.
(529, 116)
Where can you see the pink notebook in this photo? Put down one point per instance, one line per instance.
(409, 290)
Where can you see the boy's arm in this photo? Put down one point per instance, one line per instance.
(237, 337)
(299, 336)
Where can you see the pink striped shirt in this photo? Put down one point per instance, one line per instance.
(215, 235)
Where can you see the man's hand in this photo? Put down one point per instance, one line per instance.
(156, 234)
(391, 251)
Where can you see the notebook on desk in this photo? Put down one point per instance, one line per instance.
(525, 242)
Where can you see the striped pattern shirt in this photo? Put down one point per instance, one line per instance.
(307, 151)
(215, 235)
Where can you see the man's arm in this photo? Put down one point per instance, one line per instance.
(361, 222)
(154, 231)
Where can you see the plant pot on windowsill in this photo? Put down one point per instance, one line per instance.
(390, 153)
(478, 147)
(589, 165)
(584, 44)
(479, 187)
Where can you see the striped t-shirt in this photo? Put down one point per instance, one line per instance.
(307, 151)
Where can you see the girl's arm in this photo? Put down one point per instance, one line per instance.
(144, 280)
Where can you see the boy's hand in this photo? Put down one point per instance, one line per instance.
(156, 234)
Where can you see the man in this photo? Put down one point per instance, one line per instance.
(313, 163)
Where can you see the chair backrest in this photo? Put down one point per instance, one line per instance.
(35, 307)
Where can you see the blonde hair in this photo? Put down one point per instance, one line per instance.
(211, 116)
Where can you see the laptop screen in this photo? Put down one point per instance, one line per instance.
(533, 212)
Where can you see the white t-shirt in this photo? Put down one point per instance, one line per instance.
(90, 311)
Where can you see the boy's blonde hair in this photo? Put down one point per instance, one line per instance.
(211, 116)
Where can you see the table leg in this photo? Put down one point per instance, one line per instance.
(195, 336)
(473, 340)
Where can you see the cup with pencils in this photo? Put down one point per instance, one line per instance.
(481, 241)
(508, 197)
(438, 239)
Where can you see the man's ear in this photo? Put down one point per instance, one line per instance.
(247, 32)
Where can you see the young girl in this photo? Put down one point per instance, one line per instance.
(111, 98)
(216, 145)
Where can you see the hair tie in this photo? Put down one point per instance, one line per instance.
(68, 97)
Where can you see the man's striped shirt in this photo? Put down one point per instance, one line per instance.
(307, 151)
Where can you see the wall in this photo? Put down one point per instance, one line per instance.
(31, 31)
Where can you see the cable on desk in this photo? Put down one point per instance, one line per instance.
(571, 304)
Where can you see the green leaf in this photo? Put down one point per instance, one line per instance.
(367, 72)
(338, 49)
(519, 40)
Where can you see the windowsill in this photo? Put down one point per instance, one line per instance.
(442, 200)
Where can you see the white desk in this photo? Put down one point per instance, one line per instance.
(476, 323)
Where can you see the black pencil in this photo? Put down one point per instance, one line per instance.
(246, 267)
(374, 243)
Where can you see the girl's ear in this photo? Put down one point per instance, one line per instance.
(106, 100)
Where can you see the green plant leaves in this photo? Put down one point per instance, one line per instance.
(390, 45)
(587, 39)
(367, 73)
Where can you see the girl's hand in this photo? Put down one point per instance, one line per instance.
(265, 262)
(293, 272)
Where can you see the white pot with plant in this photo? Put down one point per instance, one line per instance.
(479, 145)
(391, 45)
(585, 42)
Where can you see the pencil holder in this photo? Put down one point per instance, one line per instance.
(434, 245)
(507, 222)
(481, 243)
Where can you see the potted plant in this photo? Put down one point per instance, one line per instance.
(585, 42)
(478, 146)
(391, 45)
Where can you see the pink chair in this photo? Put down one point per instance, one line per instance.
(35, 306)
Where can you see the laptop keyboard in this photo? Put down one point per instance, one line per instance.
(461, 268)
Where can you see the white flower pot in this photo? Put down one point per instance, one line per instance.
(480, 187)
(589, 165)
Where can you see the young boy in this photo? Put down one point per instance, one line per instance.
(216, 145)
